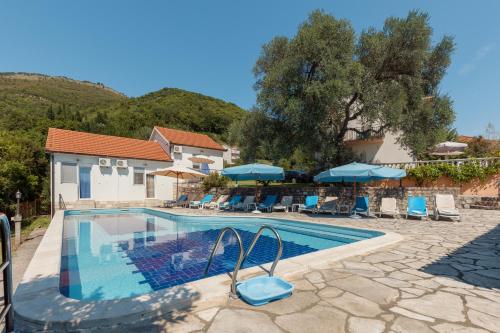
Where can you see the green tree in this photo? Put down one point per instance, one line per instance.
(22, 167)
(214, 180)
(480, 147)
(316, 86)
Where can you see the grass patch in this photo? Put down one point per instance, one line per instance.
(32, 223)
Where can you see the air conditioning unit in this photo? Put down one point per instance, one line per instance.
(177, 149)
(105, 162)
(121, 163)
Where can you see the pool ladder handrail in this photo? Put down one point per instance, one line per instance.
(240, 255)
(256, 238)
(244, 255)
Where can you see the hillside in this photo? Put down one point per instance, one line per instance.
(36, 102)
(27, 100)
(31, 103)
(170, 107)
(62, 90)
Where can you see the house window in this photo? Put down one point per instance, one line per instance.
(196, 166)
(150, 186)
(68, 173)
(138, 176)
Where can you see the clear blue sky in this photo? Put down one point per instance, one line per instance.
(211, 46)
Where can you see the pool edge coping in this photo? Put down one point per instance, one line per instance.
(38, 301)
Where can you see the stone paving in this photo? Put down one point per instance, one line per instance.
(444, 277)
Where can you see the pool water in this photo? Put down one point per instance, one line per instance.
(112, 254)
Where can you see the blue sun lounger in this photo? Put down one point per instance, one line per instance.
(268, 203)
(311, 204)
(417, 207)
(181, 201)
(362, 206)
(232, 202)
(199, 204)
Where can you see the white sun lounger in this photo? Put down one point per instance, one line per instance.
(218, 203)
(389, 206)
(245, 204)
(329, 205)
(285, 204)
(444, 206)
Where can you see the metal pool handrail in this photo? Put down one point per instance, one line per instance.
(7, 312)
(240, 256)
(256, 238)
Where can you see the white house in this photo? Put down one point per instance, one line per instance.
(92, 171)
(101, 171)
(231, 155)
(379, 148)
(183, 146)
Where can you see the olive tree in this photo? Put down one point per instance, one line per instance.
(321, 83)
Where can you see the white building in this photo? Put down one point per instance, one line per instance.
(379, 148)
(231, 155)
(183, 146)
(100, 171)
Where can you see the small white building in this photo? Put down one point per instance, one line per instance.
(231, 155)
(183, 146)
(101, 171)
(96, 171)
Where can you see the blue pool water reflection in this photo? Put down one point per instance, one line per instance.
(110, 254)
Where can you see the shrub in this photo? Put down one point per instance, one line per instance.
(214, 180)
(460, 174)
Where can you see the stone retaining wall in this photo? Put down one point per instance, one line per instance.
(479, 202)
(344, 193)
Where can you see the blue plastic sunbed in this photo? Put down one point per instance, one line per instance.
(362, 205)
(230, 203)
(268, 203)
(197, 204)
(417, 206)
(310, 205)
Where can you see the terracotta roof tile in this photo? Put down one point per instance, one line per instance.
(191, 139)
(72, 142)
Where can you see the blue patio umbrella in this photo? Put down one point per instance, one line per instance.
(254, 171)
(358, 172)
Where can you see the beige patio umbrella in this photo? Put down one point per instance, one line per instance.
(179, 172)
(201, 159)
(449, 148)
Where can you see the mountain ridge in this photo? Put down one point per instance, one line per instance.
(38, 101)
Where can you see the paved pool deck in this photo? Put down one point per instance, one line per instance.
(444, 277)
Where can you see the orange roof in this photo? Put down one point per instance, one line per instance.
(72, 142)
(191, 139)
(468, 139)
(464, 138)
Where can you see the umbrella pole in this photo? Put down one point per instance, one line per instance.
(355, 214)
(177, 188)
(257, 196)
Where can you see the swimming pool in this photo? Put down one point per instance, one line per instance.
(112, 254)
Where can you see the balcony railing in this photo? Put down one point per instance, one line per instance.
(355, 136)
(486, 161)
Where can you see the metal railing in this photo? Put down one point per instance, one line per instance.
(486, 161)
(256, 238)
(7, 311)
(62, 204)
(240, 256)
(351, 135)
(244, 255)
